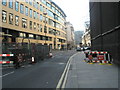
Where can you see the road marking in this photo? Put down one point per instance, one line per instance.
(7, 74)
(65, 73)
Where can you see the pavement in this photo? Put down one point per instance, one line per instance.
(84, 75)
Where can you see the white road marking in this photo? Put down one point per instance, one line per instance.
(7, 74)
(65, 73)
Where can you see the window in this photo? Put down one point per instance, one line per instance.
(16, 20)
(24, 23)
(16, 6)
(41, 8)
(26, 1)
(40, 28)
(31, 36)
(10, 3)
(30, 2)
(21, 8)
(26, 11)
(45, 29)
(41, 17)
(4, 2)
(53, 8)
(34, 14)
(10, 18)
(38, 16)
(4, 16)
(34, 3)
(48, 5)
(37, 5)
(31, 13)
(44, 2)
(22, 35)
(30, 24)
(34, 25)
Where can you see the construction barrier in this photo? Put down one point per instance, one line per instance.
(5, 59)
(98, 57)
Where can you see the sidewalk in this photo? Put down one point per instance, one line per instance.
(83, 75)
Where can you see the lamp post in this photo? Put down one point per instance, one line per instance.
(45, 28)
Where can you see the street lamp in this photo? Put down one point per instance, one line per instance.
(45, 28)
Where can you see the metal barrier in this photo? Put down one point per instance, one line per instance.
(98, 57)
(29, 53)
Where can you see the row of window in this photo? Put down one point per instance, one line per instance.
(33, 36)
(32, 25)
(35, 4)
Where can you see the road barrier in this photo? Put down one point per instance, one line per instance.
(5, 59)
(98, 57)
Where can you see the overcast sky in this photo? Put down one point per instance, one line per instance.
(77, 11)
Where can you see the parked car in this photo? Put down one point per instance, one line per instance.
(78, 49)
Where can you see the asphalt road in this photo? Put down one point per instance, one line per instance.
(44, 74)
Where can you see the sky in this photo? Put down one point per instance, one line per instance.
(77, 12)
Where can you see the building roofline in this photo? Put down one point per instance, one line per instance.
(58, 7)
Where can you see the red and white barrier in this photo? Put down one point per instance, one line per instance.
(6, 62)
(98, 57)
(4, 55)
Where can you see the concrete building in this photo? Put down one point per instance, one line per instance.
(105, 27)
(70, 35)
(78, 37)
(33, 21)
(86, 38)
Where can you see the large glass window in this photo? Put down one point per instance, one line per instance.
(4, 2)
(26, 1)
(30, 24)
(24, 23)
(34, 25)
(31, 36)
(26, 11)
(40, 28)
(44, 2)
(53, 8)
(10, 18)
(48, 5)
(41, 17)
(37, 15)
(41, 8)
(16, 20)
(30, 2)
(34, 14)
(10, 3)
(37, 5)
(21, 8)
(16, 6)
(31, 13)
(4, 16)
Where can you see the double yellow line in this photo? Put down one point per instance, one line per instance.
(63, 79)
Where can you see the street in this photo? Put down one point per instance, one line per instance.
(66, 69)
(44, 74)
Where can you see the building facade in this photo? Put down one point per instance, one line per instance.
(33, 21)
(70, 35)
(78, 37)
(86, 38)
(105, 27)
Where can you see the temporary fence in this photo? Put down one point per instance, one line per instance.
(27, 53)
(98, 57)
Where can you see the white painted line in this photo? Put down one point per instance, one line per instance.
(7, 74)
(63, 75)
(63, 86)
